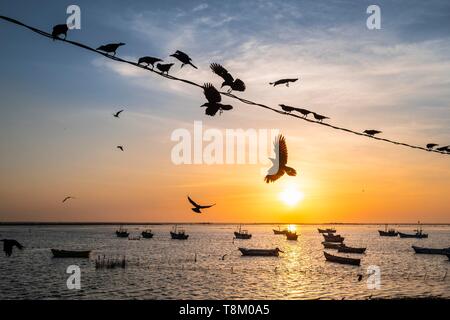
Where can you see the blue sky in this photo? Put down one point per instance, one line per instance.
(56, 99)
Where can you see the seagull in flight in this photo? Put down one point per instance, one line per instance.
(283, 81)
(120, 148)
(371, 132)
(279, 167)
(213, 96)
(198, 207)
(9, 244)
(68, 198)
(183, 57)
(236, 85)
(117, 113)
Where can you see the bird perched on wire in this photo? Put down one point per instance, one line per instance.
(120, 148)
(213, 105)
(283, 81)
(431, 145)
(286, 108)
(236, 85)
(183, 57)
(197, 208)
(444, 149)
(9, 244)
(67, 198)
(371, 132)
(304, 112)
(164, 67)
(110, 48)
(279, 167)
(319, 117)
(149, 61)
(117, 113)
(60, 29)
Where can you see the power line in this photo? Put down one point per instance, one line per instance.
(230, 95)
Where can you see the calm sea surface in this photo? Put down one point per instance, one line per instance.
(161, 268)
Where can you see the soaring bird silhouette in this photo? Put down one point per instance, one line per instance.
(149, 61)
(236, 85)
(279, 167)
(164, 67)
(213, 96)
(319, 117)
(111, 47)
(371, 132)
(120, 148)
(183, 57)
(431, 145)
(117, 113)
(60, 29)
(67, 198)
(197, 208)
(8, 245)
(444, 149)
(286, 108)
(283, 81)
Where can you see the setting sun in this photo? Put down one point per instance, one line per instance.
(291, 196)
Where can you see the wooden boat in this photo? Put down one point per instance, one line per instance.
(417, 235)
(343, 248)
(279, 231)
(422, 250)
(122, 233)
(178, 234)
(242, 234)
(343, 260)
(260, 252)
(332, 238)
(147, 234)
(328, 230)
(388, 233)
(332, 245)
(70, 253)
(291, 236)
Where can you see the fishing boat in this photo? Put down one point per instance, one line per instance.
(178, 234)
(418, 233)
(147, 234)
(343, 248)
(70, 253)
(328, 230)
(242, 234)
(332, 245)
(279, 231)
(388, 233)
(122, 233)
(291, 235)
(343, 260)
(422, 250)
(260, 252)
(332, 238)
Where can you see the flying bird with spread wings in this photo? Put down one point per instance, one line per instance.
(117, 113)
(279, 167)
(183, 57)
(213, 105)
(234, 84)
(9, 244)
(197, 208)
(67, 198)
(120, 148)
(283, 81)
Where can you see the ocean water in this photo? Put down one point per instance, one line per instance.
(162, 268)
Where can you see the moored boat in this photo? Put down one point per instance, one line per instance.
(279, 231)
(328, 230)
(147, 234)
(388, 233)
(70, 253)
(333, 238)
(343, 248)
(332, 245)
(417, 235)
(242, 234)
(342, 260)
(260, 252)
(178, 234)
(422, 250)
(122, 233)
(291, 235)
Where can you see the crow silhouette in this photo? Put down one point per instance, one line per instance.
(279, 167)
(304, 112)
(444, 149)
(111, 47)
(117, 113)
(287, 108)
(431, 145)
(67, 198)
(164, 67)
(149, 61)
(283, 81)
(213, 96)
(319, 117)
(371, 132)
(237, 85)
(120, 148)
(197, 208)
(8, 245)
(60, 29)
(183, 57)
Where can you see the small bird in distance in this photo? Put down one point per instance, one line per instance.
(58, 30)
(116, 115)
(283, 81)
(110, 48)
(67, 198)
(371, 132)
(197, 208)
(120, 148)
(319, 117)
(431, 145)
